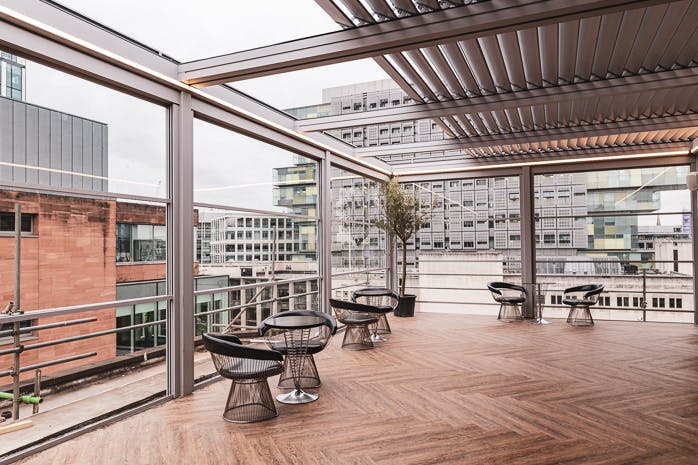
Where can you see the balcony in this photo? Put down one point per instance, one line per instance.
(446, 389)
(146, 200)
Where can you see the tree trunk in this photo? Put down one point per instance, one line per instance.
(404, 268)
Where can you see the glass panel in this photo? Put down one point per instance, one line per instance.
(80, 135)
(58, 134)
(358, 245)
(630, 230)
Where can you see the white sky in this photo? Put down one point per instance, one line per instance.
(137, 145)
(192, 30)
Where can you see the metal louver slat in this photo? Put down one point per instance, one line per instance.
(501, 121)
(456, 131)
(397, 77)
(526, 118)
(413, 77)
(509, 46)
(465, 124)
(457, 61)
(586, 47)
(690, 52)
(567, 53)
(643, 39)
(548, 43)
(538, 116)
(381, 8)
(424, 69)
(563, 112)
(474, 58)
(513, 119)
(682, 38)
(530, 54)
(405, 7)
(674, 14)
(628, 34)
(478, 124)
(444, 71)
(551, 117)
(495, 63)
(359, 11)
(607, 37)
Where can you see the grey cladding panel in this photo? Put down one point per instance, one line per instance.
(32, 136)
(19, 138)
(76, 140)
(5, 138)
(44, 143)
(32, 127)
(66, 149)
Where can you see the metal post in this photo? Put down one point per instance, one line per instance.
(37, 390)
(643, 303)
(694, 238)
(528, 238)
(325, 233)
(180, 220)
(17, 309)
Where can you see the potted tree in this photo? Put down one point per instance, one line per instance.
(402, 217)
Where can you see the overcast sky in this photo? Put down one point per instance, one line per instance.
(223, 160)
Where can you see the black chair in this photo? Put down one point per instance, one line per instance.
(319, 338)
(382, 298)
(357, 318)
(250, 398)
(510, 297)
(580, 315)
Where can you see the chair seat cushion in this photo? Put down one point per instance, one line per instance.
(245, 368)
(512, 300)
(577, 302)
(313, 347)
(358, 319)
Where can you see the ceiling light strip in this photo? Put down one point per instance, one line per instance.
(541, 163)
(32, 23)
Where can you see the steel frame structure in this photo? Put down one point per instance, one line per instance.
(59, 38)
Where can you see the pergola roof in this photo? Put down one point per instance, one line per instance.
(622, 78)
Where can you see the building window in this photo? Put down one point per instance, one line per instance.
(140, 243)
(10, 326)
(7, 223)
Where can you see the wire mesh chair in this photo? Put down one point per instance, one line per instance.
(580, 315)
(249, 398)
(357, 318)
(510, 297)
(378, 297)
(319, 338)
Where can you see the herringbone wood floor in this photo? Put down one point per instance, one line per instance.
(447, 389)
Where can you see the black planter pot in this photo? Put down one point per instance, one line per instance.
(405, 306)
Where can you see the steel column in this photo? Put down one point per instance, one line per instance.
(180, 220)
(694, 238)
(325, 236)
(528, 237)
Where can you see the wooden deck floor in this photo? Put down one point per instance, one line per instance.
(447, 389)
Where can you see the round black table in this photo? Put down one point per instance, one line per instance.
(296, 330)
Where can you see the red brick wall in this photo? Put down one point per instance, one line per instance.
(71, 260)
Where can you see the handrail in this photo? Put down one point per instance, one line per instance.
(44, 313)
(361, 271)
(254, 285)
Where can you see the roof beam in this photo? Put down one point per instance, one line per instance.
(410, 172)
(567, 92)
(589, 130)
(470, 21)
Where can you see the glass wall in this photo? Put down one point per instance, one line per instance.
(358, 246)
(473, 237)
(629, 229)
(87, 167)
(256, 214)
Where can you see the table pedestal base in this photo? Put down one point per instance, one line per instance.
(540, 321)
(378, 338)
(297, 396)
